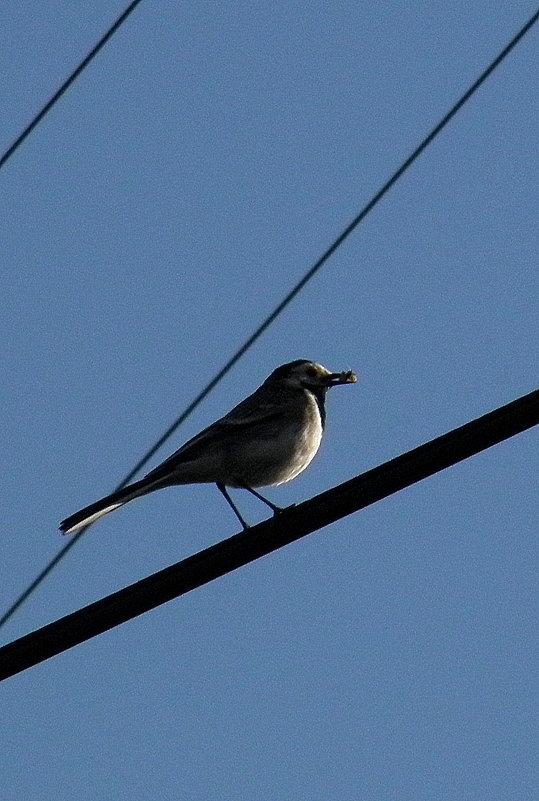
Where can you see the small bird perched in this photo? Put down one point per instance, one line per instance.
(267, 439)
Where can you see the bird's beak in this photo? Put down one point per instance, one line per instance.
(348, 377)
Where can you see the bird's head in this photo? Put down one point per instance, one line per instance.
(303, 374)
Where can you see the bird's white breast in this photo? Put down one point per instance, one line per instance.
(290, 451)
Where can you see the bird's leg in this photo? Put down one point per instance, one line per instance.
(276, 509)
(222, 488)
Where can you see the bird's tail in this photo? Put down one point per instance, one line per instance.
(107, 504)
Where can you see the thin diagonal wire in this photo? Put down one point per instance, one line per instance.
(288, 298)
(67, 83)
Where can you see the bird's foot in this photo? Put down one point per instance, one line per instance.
(277, 510)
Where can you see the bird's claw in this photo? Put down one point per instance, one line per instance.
(277, 510)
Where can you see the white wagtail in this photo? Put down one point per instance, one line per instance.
(267, 439)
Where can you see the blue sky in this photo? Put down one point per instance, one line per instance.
(191, 175)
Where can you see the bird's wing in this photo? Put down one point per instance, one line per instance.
(249, 414)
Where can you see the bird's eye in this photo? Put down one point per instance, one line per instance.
(312, 372)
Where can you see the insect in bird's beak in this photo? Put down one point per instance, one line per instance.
(347, 377)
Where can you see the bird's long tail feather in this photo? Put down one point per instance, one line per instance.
(107, 504)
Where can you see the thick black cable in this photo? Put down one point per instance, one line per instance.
(67, 83)
(287, 527)
(286, 300)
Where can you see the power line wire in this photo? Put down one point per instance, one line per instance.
(286, 300)
(67, 83)
(291, 525)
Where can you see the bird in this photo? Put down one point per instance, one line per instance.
(266, 440)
